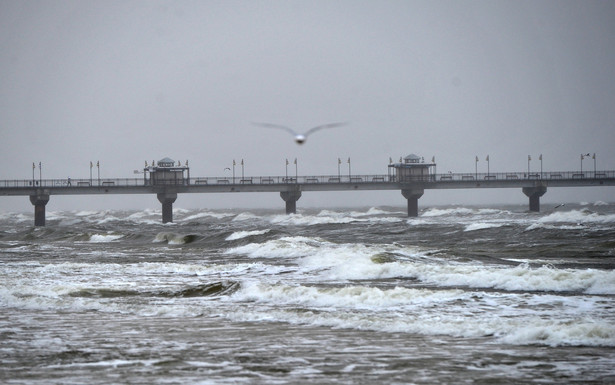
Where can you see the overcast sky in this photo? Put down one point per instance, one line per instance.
(122, 82)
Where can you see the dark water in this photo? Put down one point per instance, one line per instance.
(463, 295)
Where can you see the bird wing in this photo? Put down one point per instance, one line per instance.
(329, 125)
(270, 125)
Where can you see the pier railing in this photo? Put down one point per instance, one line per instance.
(314, 179)
(503, 176)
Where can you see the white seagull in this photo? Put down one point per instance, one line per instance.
(299, 138)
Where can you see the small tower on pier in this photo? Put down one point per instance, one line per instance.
(167, 175)
(166, 172)
(413, 169)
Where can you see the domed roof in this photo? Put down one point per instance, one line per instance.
(166, 162)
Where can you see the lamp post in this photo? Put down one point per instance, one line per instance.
(476, 167)
(92, 165)
(98, 168)
(339, 174)
(33, 168)
(594, 158)
(242, 175)
(40, 173)
(540, 158)
(296, 172)
(349, 171)
(433, 160)
(487, 159)
(529, 158)
(286, 180)
(234, 163)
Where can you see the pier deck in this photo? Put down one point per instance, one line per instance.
(534, 185)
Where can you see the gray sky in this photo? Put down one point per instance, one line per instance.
(122, 82)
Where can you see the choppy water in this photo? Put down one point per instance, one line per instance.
(458, 295)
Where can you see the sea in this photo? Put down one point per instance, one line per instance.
(366, 295)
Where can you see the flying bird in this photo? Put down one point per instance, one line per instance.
(299, 138)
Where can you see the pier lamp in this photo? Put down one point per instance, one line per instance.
(583, 157)
(296, 172)
(594, 158)
(540, 158)
(242, 169)
(529, 158)
(476, 167)
(287, 169)
(339, 163)
(487, 159)
(349, 172)
(33, 168)
(234, 171)
(40, 173)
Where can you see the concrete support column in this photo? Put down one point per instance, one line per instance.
(39, 201)
(291, 198)
(413, 195)
(534, 193)
(167, 200)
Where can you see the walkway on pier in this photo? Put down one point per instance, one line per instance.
(290, 188)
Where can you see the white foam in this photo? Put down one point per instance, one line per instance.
(482, 226)
(247, 216)
(430, 312)
(243, 234)
(285, 247)
(350, 297)
(325, 217)
(577, 216)
(207, 214)
(101, 238)
(435, 212)
(521, 278)
(356, 261)
(580, 332)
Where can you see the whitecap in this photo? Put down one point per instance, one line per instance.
(243, 234)
(482, 226)
(102, 238)
(578, 216)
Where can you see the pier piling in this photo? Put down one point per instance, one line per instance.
(413, 195)
(534, 193)
(39, 201)
(291, 198)
(167, 200)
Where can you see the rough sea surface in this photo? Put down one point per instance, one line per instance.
(459, 295)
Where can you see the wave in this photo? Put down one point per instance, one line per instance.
(482, 226)
(244, 234)
(578, 216)
(343, 262)
(205, 215)
(213, 289)
(461, 211)
(102, 238)
(174, 239)
(430, 312)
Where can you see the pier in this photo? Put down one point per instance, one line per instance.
(411, 177)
